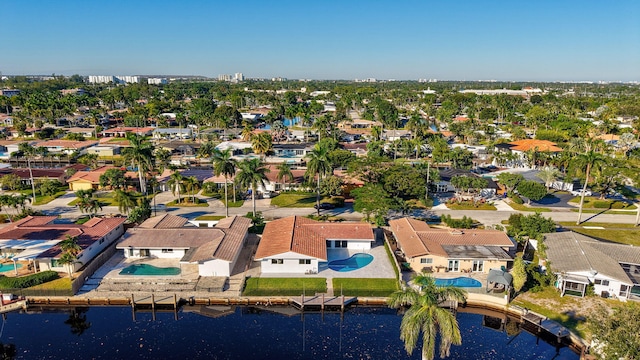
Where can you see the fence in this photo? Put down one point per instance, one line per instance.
(91, 268)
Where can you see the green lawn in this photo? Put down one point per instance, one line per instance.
(619, 233)
(364, 287)
(591, 202)
(210, 217)
(284, 286)
(232, 203)
(58, 284)
(466, 206)
(523, 207)
(183, 203)
(294, 200)
(43, 199)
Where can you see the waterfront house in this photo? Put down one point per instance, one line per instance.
(451, 250)
(215, 250)
(35, 239)
(580, 261)
(85, 180)
(296, 245)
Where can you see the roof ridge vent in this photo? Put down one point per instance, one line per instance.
(456, 232)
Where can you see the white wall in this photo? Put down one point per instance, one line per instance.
(156, 253)
(215, 267)
(291, 264)
(363, 245)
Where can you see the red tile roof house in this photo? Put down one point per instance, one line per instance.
(451, 250)
(66, 146)
(35, 239)
(296, 245)
(214, 250)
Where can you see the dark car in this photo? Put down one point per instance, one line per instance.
(324, 206)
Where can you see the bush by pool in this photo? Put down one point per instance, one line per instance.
(146, 269)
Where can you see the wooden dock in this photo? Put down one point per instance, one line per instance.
(534, 323)
(322, 302)
(17, 305)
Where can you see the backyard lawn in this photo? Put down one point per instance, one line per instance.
(364, 287)
(210, 217)
(284, 286)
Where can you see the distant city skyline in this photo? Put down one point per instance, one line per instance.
(463, 40)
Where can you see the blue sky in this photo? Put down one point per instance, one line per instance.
(453, 40)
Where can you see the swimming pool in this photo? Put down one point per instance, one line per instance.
(146, 269)
(8, 267)
(459, 282)
(355, 262)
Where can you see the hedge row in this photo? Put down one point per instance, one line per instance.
(27, 281)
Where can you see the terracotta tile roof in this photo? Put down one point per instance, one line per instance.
(93, 176)
(531, 144)
(67, 144)
(43, 228)
(307, 237)
(416, 238)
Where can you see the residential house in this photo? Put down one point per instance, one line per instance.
(123, 131)
(58, 174)
(66, 146)
(451, 250)
(580, 261)
(90, 179)
(519, 150)
(444, 184)
(215, 250)
(105, 150)
(173, 133)
(297, 245)
(35, 239)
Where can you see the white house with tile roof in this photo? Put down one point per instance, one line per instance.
(451, 250)
(215, 250)
(35, 239)
(578, 260)
(296, 245)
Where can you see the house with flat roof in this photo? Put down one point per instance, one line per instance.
(215, 250)
(35, 239)
(451, 250)
(579, 261)
(297, 245)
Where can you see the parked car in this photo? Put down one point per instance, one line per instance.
(269, 194)
(324, 206)
(579, 192)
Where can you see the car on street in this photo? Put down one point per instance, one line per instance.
(324, 206)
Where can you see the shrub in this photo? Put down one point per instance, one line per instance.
(27, 281)
(516, 199)
(338, 201)
(464, 223)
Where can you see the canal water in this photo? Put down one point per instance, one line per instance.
(249, 333)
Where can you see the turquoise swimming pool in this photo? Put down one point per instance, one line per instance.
(146, 269)
(8, 267)
(356, 261)
(459, 282)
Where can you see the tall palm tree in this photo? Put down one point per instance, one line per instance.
(140, 154)
(125, 201)
(590, 159)
(30, 153)
(247, 132)
(70, 250)
(252, 173)
(284, 171)
(191, 185)
(549, 175)
(426, 316)
(176, 183)
(223, 164)
(262, 143)
(318, 165)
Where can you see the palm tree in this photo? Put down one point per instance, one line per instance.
(176, 182)
(262, 143)
(223, 164)
(549, 175)
(30, 152)
(426, 316)
(125, 201)
(70, 250)
(590, 159)
(191, 185)
(284, 171)
(247, 132)
(252, 173)
(140, 154)
(317, 165)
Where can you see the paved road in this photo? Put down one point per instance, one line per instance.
(59, 207)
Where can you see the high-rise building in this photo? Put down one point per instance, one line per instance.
(239, 77)
(157, 81)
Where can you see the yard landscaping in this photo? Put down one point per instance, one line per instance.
(618, 233)
(43, 199)
(210, 217)
(468, 205)
(295, 199)
(364, 287)
(284, 286)
(591, 202)
(188, 203)
(523, 207)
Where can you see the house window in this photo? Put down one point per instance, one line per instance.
(328, 243)
(277, 261)
(426, 261)
(478, 266)
(101, 241)
(601, 282)
(144, 252)
(454, 265)
(340, 244)
(130, 252)
(304, 261)
(164, 251)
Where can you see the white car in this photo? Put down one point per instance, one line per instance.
(579, 192)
